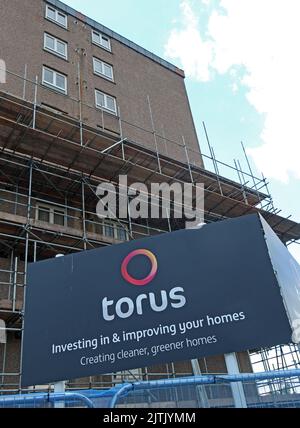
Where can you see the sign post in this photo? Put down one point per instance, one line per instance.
(60, 387)
(237, 389)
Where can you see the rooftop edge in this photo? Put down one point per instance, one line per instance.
(112, 34)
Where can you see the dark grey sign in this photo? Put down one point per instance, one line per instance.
(177, 296)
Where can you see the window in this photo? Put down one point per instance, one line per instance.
(103, 69)
(114, 230)
(51, 214)
(109, 230)
(55, 46)
(101, 40)
(121, 234)
(56, 16)
(106, 102)
(54, 80)
(94, 224)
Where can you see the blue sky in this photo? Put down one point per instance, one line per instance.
(242, 71)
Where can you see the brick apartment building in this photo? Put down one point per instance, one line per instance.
(82, 104)
(70, 54)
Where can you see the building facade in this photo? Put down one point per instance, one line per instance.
(96, 77)
(82, 105)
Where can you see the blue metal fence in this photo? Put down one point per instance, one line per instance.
(267, 389)
(44, 400)
(264, 390)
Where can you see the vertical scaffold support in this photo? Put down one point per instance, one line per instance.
(213, 158)
(121, 133)
(251, 172)
(83, 215)
(241, 180)
(129, 218)
(24, 83)
(154, 134)
(35, 102)
(26, 266)
(188, 159)
(80, 103)
(15, 283)
(164, 139)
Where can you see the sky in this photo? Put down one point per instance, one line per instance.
(242, 65)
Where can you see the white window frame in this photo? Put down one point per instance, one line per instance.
(53, 86)
(52, 209)
(56, 21)
(55, 51)
(105, 108)
(95, 60)
(101, 36)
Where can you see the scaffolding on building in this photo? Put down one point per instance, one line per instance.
(50, 168)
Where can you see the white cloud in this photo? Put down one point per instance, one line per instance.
(188, 45)
(261, 37)
(295, 251)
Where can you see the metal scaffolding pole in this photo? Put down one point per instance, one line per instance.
(188, 160)
(154, 134)
(213, 159)
(26, 264)
(83, 215)
(24, 82)
(15, 283)
(35, 102)
(80, 103)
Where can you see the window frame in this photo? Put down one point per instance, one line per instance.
(115, 226)
(97, 33)
(103, 63)
(55, 52)
(105, 108)
(57, 11)
(98, 226)
(123, 229)
(53, 86)
(52, 209)
(94, 225)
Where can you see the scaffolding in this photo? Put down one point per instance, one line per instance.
(281, 357)
(50, 168)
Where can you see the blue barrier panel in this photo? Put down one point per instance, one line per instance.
(213, 391)
(272, 389)
(44, 399)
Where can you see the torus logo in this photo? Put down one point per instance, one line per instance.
(159, 301)
(127, 260)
